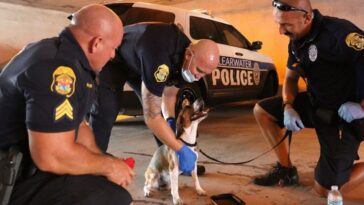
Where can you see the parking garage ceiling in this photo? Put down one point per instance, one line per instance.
(72, 5)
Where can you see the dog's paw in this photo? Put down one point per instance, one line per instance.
(147, 192)
(201, 192)
(178, 201)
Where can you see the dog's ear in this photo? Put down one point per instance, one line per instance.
(184, 119)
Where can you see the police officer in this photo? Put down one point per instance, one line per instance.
(155, 59)
(329, 54)
(45, 92)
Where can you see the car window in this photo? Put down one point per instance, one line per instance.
(120, 9)
(232, 36)
(219, 32)
(136, 15)
(204, 29)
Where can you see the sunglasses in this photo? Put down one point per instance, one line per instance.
(284, 7)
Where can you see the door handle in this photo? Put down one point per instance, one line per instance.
(239, 54)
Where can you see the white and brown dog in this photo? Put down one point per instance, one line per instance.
(164, 162)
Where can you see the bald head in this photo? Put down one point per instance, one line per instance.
(301, 4)
(96, 19)
(201, 58)
(207, 52)
(99, 31)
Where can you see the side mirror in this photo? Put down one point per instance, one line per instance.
(256, 45)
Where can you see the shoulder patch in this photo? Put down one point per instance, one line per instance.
(355, 40)
(64, 80)
(161, 74)
(64, 109)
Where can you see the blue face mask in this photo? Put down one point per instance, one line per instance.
(186, 73)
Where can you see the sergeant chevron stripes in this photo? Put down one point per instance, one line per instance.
(64, 109)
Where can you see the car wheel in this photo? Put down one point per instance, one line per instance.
(189, 93)
(270, 86)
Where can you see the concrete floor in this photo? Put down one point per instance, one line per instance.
(230, 134)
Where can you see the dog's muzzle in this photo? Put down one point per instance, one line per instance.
(199, 109)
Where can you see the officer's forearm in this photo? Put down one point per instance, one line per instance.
(152, 116)
(86, 137)
(289, 92)
(169, 101)
(161, 129)
(290, 87)
(59, 153)
(81, 161)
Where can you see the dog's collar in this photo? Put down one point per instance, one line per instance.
(189, 144)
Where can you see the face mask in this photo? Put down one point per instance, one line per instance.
(186, 73)
(188, 76)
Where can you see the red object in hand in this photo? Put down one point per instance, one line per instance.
(130, 162)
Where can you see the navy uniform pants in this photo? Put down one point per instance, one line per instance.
(338, 143)
(46, 188)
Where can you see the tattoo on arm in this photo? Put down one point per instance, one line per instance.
(151, 103)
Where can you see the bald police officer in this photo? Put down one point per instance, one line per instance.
(155, 59)
(45, 92)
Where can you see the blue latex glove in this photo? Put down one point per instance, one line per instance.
(350, 111)
(172, 123)
(187, 159)
(292, 120)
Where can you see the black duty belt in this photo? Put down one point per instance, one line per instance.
(10, 161)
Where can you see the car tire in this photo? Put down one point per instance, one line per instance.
(270, 86)
(189, 92)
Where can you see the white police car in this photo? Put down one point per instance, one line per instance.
(242, 74)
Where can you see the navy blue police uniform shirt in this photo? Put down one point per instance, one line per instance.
(332, 58)
(48, 87)
(149, 50)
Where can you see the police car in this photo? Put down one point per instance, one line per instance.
(242, 73)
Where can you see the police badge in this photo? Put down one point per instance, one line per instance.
(63, 81)
(161, 74)
(312, 53)
(355, 40)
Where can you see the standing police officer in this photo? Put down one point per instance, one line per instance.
(329, 54)
(155, 59)
(45, 92)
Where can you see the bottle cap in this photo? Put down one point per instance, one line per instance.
(334, 187)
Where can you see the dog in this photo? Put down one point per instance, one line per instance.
(164, 163)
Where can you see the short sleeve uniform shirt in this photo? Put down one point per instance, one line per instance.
(332, 59)
(155, 53)
(48, 87)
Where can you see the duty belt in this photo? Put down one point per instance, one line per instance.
(10, 161)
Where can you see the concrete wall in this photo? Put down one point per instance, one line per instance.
(20, 24)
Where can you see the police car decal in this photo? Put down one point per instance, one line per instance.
(63, 83)
(237, 72)
(355, 40)
(161, 74)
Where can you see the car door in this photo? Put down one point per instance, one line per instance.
(240, 71)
